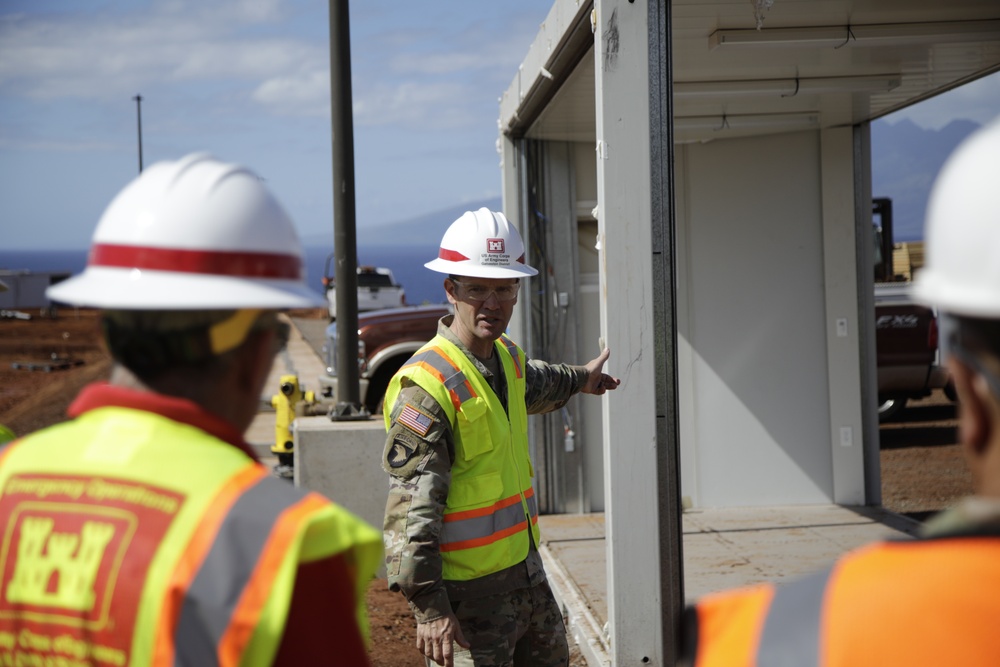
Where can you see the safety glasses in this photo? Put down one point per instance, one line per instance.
(475, 292)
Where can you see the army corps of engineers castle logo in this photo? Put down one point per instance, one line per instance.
(69, 546)
(60, 561)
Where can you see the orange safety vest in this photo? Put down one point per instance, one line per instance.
(928, 602)
(132, 539)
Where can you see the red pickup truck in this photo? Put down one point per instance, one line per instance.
(906, 342)
(386, 339)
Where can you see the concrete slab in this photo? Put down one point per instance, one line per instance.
(723, 548)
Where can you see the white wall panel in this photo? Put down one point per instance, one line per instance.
(757, 321)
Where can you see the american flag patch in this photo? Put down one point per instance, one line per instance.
(415, 420)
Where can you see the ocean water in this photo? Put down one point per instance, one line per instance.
(406, 263)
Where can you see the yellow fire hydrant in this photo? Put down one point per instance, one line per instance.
(285, 404)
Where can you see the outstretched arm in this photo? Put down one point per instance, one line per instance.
(598, 381)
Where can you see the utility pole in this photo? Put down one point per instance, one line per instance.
(344, 232)
(138, 112)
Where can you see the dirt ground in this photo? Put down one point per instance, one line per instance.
(922, 468)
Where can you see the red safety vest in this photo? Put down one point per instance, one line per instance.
(133, 539)
(922, 602)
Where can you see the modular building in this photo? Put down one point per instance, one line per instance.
(693, 181)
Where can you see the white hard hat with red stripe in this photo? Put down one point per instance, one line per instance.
(962, 270)
(482, 244)
(194, 234)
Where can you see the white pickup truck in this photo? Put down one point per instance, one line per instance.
(377, 289)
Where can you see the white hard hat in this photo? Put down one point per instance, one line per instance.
(962, 270)
(482, 244)
(194, 234)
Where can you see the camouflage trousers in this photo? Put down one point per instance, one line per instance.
(523, 628)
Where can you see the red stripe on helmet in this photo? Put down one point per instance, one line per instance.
(210, 262)
(520, 260)
(451, 255)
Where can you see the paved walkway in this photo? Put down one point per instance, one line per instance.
(300, 357)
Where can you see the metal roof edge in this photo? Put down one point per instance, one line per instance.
(563, 39)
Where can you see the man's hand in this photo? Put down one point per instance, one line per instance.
(434, 639)
(598, 381)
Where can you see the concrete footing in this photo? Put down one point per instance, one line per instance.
(342, 460)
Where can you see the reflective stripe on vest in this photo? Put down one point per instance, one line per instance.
(512, 348)
(792, 628)
(479, 527)
(438, 364)
(189, 566)
(236, 574)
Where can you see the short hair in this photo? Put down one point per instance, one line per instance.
(974, 335)
(150, 342)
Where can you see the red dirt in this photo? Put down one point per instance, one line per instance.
(922, 467)
(923, 470)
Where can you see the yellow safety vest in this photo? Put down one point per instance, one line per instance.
(491, 508)
(132, 539)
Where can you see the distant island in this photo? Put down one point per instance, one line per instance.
(420, 230)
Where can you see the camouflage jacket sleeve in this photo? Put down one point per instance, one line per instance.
(549, 386)
(418, 455)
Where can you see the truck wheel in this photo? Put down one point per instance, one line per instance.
(380, 382)
(949, 391)
(889, 407)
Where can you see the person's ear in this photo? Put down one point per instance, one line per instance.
(975, 415)
(449, 289)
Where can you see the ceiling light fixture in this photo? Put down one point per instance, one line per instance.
(880, 34)
(719, 122)
(787, 87)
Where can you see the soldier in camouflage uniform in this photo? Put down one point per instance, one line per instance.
(471, 571)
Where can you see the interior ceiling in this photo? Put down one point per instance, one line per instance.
(878, 56)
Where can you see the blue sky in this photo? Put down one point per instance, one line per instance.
(248, 80)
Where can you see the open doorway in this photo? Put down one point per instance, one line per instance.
(922, 469)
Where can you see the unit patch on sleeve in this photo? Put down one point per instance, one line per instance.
(400, 452)
(415, 420)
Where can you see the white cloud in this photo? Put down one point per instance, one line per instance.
(305, 94)
(471, 59)
(427, 105)
(94, 56)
